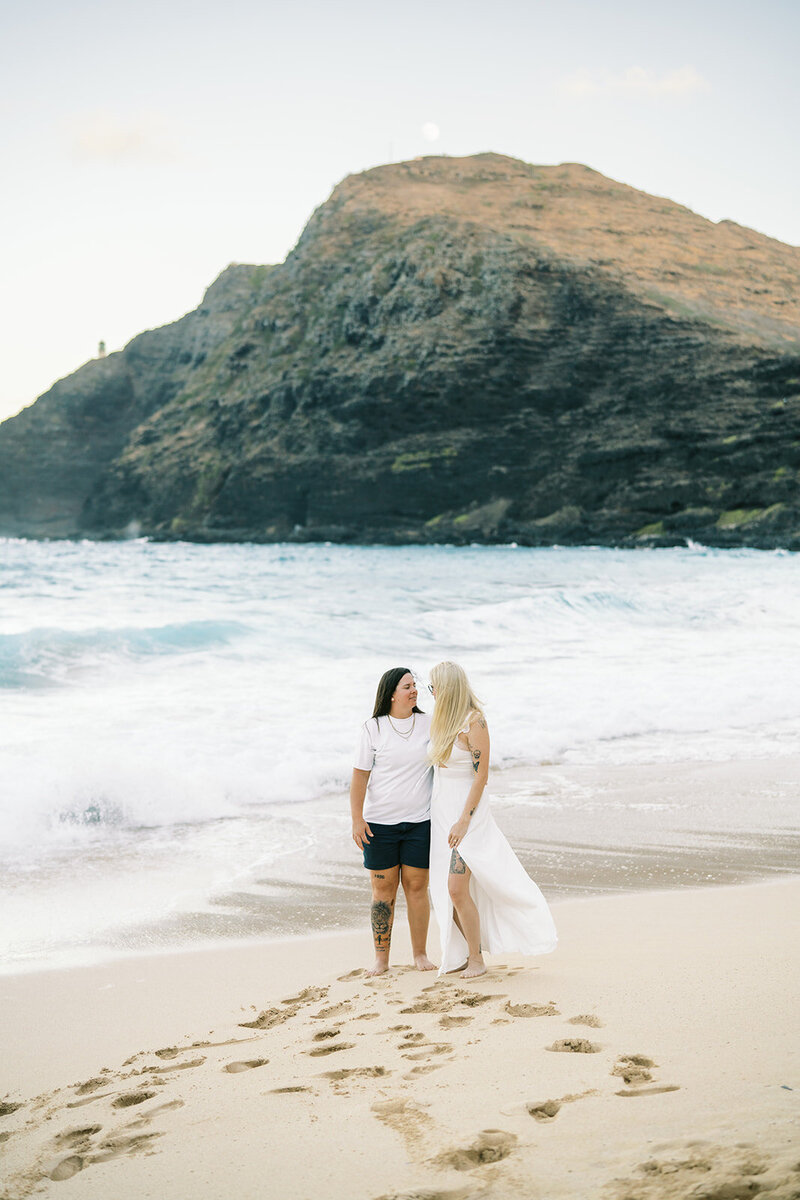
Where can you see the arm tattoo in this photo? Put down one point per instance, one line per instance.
(472, 810)
(481, 722)
(381, 924)
(457, 864)
(476, 754)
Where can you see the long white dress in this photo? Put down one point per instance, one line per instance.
(514, 913)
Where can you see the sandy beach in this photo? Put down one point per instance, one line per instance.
(654, 1054)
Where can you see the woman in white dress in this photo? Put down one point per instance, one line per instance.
(482, 896)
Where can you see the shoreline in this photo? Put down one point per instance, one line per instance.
(579, 830)
(152, 1056)
(628, 541)
(360, 930)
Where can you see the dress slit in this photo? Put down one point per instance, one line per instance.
(514, 915)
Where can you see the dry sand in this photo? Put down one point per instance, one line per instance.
(654, 1055)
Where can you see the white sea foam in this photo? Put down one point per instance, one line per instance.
(147, 690)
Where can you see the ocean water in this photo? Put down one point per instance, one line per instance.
(177, 721)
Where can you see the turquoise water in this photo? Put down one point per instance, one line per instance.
(174, 716)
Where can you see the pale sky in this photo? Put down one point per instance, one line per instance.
(147, 145)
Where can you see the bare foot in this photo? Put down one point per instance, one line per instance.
(474, 969)
(423, 963)
(380, 967)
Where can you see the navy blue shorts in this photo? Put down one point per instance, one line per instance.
(407, 843)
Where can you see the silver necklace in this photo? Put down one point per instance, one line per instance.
(404, 736)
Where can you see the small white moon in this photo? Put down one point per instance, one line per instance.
(430, 132)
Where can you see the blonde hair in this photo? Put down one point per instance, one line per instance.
(455, 701)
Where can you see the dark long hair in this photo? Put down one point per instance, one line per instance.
(386, 689)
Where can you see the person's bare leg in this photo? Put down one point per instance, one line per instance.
(469, 918)
(415, 886)
(384, 893)
(457, 923)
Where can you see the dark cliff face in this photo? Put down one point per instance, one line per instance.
(456, 350)
(53, 455)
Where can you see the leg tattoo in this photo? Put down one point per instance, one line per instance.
(457, 864)
(382, 924)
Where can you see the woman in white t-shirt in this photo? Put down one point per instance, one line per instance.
(390, 801)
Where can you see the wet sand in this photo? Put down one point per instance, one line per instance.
(579, 831)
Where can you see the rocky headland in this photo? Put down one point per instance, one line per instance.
(456, 350)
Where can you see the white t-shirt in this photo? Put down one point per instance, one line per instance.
(401, 778)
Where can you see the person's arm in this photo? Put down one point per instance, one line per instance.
(358, 790)
(478, 742)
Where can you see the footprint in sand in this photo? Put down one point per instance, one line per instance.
(633, 1068)
(412, 1037)
(112, 1147)
(404, 1117)
(235, 1068)
(546, 1110)
(586, 1019)
(324, 1034)
(429, 1049)
(575, 1046)
(351, 1072)
(291, 1006)
(351, 975)
(89, 1099)
(91, 1085)
(309, 995)
(423, 1070)
(475, 999)
(333, 1010)
(7, 1107)
(491, 1146)
(648, 1091)
(130, 1098)
(444, 998)
(119, 1144)
(727, 1173)
(146, 1118)
(318, 1051)
(66, 1168)
(269, 1018)
(184, 1066)
(448, 1022)
(532, 1010)
(78, 1138)
(168, 1106)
